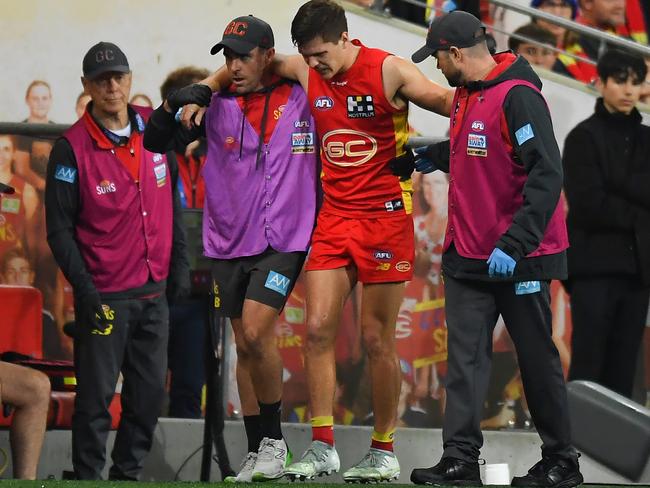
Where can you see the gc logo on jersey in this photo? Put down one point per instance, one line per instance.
(323, 103)
(360, 107)
(346, 147)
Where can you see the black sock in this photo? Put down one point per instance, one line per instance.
(253, 432)
(270, 420)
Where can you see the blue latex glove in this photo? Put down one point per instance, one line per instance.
(423, 163)
(500, 265)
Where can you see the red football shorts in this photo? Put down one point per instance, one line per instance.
(382, 250)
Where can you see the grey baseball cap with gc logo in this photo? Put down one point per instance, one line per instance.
(104, 57)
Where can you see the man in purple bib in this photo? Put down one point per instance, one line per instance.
(506, 239)
(113, 224)
(260, 178)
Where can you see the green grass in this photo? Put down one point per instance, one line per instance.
(194, 484)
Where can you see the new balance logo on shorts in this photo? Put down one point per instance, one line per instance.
(277, 282)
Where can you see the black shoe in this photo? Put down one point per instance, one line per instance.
(449, 471)
(552, 473)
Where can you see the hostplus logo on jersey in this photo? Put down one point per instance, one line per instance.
(105, 187)
(360, 107)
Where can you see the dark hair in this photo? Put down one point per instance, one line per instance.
(324, 18)
(534, 32)
(36, 83)
(180, 78)
(619, 64)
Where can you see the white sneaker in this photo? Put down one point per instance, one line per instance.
(319, 459)
(377, 465)
(245, 474)
(272, 457)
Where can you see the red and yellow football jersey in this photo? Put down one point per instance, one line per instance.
(359, 132)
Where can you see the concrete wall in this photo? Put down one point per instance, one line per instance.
(176, 440)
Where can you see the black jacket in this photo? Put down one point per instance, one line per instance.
(607, 184)
(541, 158)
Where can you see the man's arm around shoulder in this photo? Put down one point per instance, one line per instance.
(401, 77)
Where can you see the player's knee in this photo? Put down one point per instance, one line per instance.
(318, 339)
(243, 354)
(37, 387)
(376, 346)
(255, 342)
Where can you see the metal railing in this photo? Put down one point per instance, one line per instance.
(44, 131)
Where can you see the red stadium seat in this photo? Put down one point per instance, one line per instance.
(21, 320)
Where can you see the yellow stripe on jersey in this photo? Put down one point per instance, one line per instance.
(401, 128)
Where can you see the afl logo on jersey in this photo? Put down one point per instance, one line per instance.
(345, 147)
(323, 103)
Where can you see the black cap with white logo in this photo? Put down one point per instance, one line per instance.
(104, 57)
(244, 34)
(455, 29)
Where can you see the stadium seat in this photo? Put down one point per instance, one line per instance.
(609, 428)
(21, 321)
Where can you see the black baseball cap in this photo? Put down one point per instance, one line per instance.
(244, 34)
(458, 29)
(102, 58)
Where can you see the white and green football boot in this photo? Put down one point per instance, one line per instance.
(319, 459)
(377, 465)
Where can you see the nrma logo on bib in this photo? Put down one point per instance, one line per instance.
(323, 103)
(104, 187)
(346, 147)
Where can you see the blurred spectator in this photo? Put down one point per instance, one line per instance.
(142, 100)
(186, 320)
(567, 9)
(635, 20)
(422, 15)
(17, 210)
(438, 7)
(16, 270)
(80, 106)
(32, 152)
(39, 100)
(407, 11)
(30, 163)
(605, 15)
(607, 176)
(537, 54)
(28, 392)
(645, 89)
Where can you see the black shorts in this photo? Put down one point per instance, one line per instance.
(267, 278)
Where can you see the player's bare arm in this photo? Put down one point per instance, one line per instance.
(292, 67)
(403, 81)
